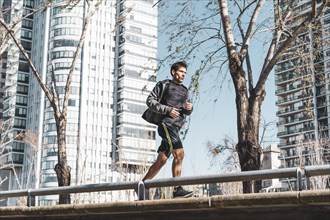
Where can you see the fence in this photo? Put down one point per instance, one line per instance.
(142, 187)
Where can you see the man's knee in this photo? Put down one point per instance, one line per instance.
(178, 153)
(162, 162)
(161, 159)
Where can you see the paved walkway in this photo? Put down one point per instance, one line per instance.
(266, 206)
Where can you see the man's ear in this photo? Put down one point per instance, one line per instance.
(172, 73)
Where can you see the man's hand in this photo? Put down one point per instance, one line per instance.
(174, 113)
(188, 106)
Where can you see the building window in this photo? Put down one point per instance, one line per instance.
(26, 34)
(27, 24)
(49, 140)
(136, 29)
(24, 67)
(72, 127)
(29, 3)
(49, 115)
(19, 111)
(64, 43)
(21, 100)
(50, 127)
(62, 54)
(49, 178)
(28, 11)
(19, 123)
(27, 45)
(48, 165)
(18, 146)
(134, 38)
(17, 158)
(66, 20)
(72, 102)
(21, 89)
(73, 90)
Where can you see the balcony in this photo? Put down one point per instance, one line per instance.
(290, 89)
(296, 120)
(293, 132)
(288, 111)
(288, 156)
(322, 115)
(279, 80)
(288, 144)
(321, 92)
(293, 99)
(321, 104)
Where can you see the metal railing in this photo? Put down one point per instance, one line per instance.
(142, 187)
(315, 171)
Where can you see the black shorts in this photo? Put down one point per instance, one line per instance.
(170, 138)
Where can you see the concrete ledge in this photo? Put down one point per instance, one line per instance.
(317, 203)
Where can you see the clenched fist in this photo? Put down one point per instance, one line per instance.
(188, 106)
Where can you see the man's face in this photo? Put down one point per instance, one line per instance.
(179, 74)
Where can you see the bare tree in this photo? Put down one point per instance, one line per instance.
(4, 127)
(4, 138)
(227, 44)
(31, 139)
(312, 153)
(62, 169)
(225, 157)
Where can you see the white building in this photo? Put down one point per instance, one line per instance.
(107, 140)
(270, 161)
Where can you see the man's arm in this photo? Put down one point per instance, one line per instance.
(188, 108)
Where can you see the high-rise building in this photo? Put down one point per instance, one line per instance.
(106, 138)
(14, 82)
(303, 94)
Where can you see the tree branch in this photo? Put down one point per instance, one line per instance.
(276, 57)
(91, 11)
(228, 32)
(26, 56)
(252, 24)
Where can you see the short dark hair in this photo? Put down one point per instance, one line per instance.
(175, 66)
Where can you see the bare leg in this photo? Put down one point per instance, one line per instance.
(176, 172)
(156, 166)
(178, 155)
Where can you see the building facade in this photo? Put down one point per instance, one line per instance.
(107, 140)
(15, 78)
(302, 90)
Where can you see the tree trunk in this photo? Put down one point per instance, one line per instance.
(248, 119)
(63, 171)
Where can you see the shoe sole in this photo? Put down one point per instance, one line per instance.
(185, 196)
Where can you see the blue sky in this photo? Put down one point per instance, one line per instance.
(212, 121)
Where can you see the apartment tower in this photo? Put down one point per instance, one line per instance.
(302, 90)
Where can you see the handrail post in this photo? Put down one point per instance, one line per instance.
(141, 190)
(299, 179)
(30, 199)
(308, 182)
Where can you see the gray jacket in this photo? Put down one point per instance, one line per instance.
(159, 110)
